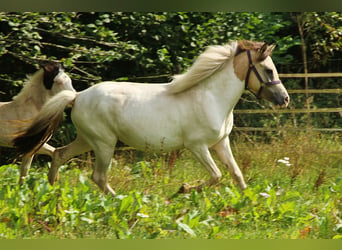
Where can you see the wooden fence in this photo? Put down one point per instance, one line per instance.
(298, 111)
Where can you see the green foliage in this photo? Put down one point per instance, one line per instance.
(279, 203)
(151, 47)
(323, 32)
(107, 46)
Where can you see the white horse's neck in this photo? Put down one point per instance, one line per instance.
(225, 87)
(33, 92)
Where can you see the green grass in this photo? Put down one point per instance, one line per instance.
(300, 197)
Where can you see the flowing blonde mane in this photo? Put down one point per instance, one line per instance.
(32, 83)
(207, 63)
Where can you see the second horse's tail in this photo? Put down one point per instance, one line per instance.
(46, 122)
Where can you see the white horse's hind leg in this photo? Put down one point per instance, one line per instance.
(46, 149)
(224, 152)
(203, 155)
(25, 167)
(103, 154)
(63, 154)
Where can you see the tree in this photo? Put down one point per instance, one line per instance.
(151, 47)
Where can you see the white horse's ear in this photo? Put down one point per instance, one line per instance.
(265, 51)
(271, 47)
(263, 48)
(51, 70)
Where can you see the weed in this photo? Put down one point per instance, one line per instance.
(277, 204)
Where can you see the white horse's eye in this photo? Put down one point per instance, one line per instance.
(269, 72)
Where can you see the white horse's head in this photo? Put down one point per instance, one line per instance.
(55, 79)
(254, 65)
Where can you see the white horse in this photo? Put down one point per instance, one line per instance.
(194, 111)
(21, 111)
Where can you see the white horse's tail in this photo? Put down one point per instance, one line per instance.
(46, 122)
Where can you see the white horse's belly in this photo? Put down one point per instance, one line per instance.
(149, 130)
(157, 143)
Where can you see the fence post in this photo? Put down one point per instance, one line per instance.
(301, 23)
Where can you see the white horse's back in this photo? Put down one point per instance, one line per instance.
(144, 116)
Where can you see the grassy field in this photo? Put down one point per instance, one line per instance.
(295, 191)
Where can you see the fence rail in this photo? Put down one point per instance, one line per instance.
(283, 111)
(309, 75)
(301, 110)
(314, 91)
(249, 129)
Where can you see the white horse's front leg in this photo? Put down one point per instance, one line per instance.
(225, 154)
(203, 155)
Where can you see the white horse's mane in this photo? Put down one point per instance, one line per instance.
(207, 63)
(32, 81)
